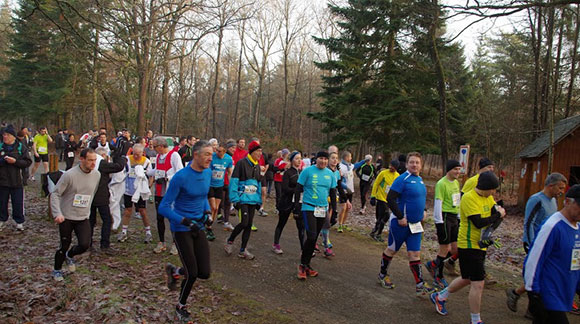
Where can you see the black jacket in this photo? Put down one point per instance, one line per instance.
(70, 147)
(11, 174)
(289, 196)
(106, 168)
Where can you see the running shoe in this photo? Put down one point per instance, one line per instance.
(160, 248)
(316, 249)
(137, 215)
(575, 309)
(339, 229)
(276, 249)
(346, 228)
(362, 211)
(57, 275)
(311, 272)
(228, 227)
(148, 238)
(302, 272)
(512, 299)
(450, 267)
(386, 282)
(122, 237)
(439, 304)
(182, 314)
(379, 238)
(171, 276)
(20, 227)
(254, 228)
(372, 235)
(71, 264)
(262, 212)
(328, 252)
(489, 280)
(440, 283)
(32, 178)
(423, 288)
(432, 268)
(229, 248)
(210, 235)
(246, 255)
(173, 250)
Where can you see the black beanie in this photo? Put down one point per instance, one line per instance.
(484, 162)
(322, 154)
(10, 130)
(395, 164)
(293, 155)
(451, 164)
(487, 181)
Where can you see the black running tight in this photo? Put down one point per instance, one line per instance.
(160, 220)
(82, 230)
(194, 254)
(247, 213)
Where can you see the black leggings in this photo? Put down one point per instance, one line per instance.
(382, 217)
(105, 213)
(282, 220)
(69, 162)
(312, 225)
(194, 254)
(278, 188)
(82, 230)
(364, 188)
(225, 205)
(301, 230)
(160, 220)
(247, 212)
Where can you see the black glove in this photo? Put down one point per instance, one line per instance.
(193, 227)
(237, 206)
(207, 219)
(373, 201)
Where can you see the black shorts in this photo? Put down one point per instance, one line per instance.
(472, 264)
(128, 203)
(216, 192)
(348, 198)
(448, 230)
(41, 158)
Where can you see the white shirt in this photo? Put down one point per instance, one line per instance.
(347, 173)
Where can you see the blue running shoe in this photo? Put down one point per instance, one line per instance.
(440, 283)
(432, 268)
(439, 304)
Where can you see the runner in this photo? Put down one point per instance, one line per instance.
(286, 203)
(101, 200)
(406, 200)
(14, 158)
(221, 164)
(479, 214)
(446, 213)
(539, 208)
(281, 164)
(239, 153)
(316, 183)
(136, 188)
(70, 149)
(70, 203)
(379, 193)
(102, 142)
(186, 207)
(246, 192)
(40, 150)
(332, 199)
(366, 173)
(186, 152)
(168, 163)
(347, 175)
(226, 205)
(552, 269)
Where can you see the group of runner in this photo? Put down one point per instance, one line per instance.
(221, 177)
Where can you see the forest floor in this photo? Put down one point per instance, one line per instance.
(130, 287)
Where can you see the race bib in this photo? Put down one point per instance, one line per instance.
(365, 177)
(82, 201)
(159, 174)
(249, 190)
(387, 188)
(416, 227)
(320, 212)
(42, 150)
(71, 154)
(218, 175)
(456, 199)
(575, 263)
(132, 173)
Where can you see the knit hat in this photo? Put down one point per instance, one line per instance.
(451, 164)
(230, 144)
(293, 155)
(368, 157)
(285, 151)
(395, 164)
(574, 192)
(10, 130)
(484, 162)
(487, 181)
(323, 154)
(253, 146)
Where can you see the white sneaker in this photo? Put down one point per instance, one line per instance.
(173, 250)
(20, 227)
(228, 226)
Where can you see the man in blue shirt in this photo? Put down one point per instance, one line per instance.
(221, 166)
(552, 268)
(185, 205)
(406, 199)
(317, 182)
(539, 207)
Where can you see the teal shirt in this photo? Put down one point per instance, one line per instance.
(317, 184)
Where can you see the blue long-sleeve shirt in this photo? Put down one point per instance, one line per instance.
(186, 197)
(538, 208)
(552, 268)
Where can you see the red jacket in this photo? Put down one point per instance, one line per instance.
(279, 169)
(238, 155)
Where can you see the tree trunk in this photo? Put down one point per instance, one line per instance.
(212, 100)
(573, 64)
(95, 81)
(239, 83)
(547, 69)
(536, 45)
(555, 95)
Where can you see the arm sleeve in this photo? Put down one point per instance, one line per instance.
(438, 211)
(55, 196)
(168, 200)
(392, 202)
(482, 222)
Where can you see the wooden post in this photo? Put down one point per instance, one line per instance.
(52, 162)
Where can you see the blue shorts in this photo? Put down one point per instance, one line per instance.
(399, 235)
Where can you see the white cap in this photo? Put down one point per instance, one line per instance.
(368, 157)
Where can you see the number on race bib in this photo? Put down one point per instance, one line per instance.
(71, 154)
(249, 190)
(320, 212)
(575, 262)
(81, 201)
(456, 199)
(365, 177)
(218, 175)
(42, 149)
(416, 227)
(159, 174)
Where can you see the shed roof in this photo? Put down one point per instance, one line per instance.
(541, 145)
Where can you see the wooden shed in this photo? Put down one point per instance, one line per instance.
(534, 158)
